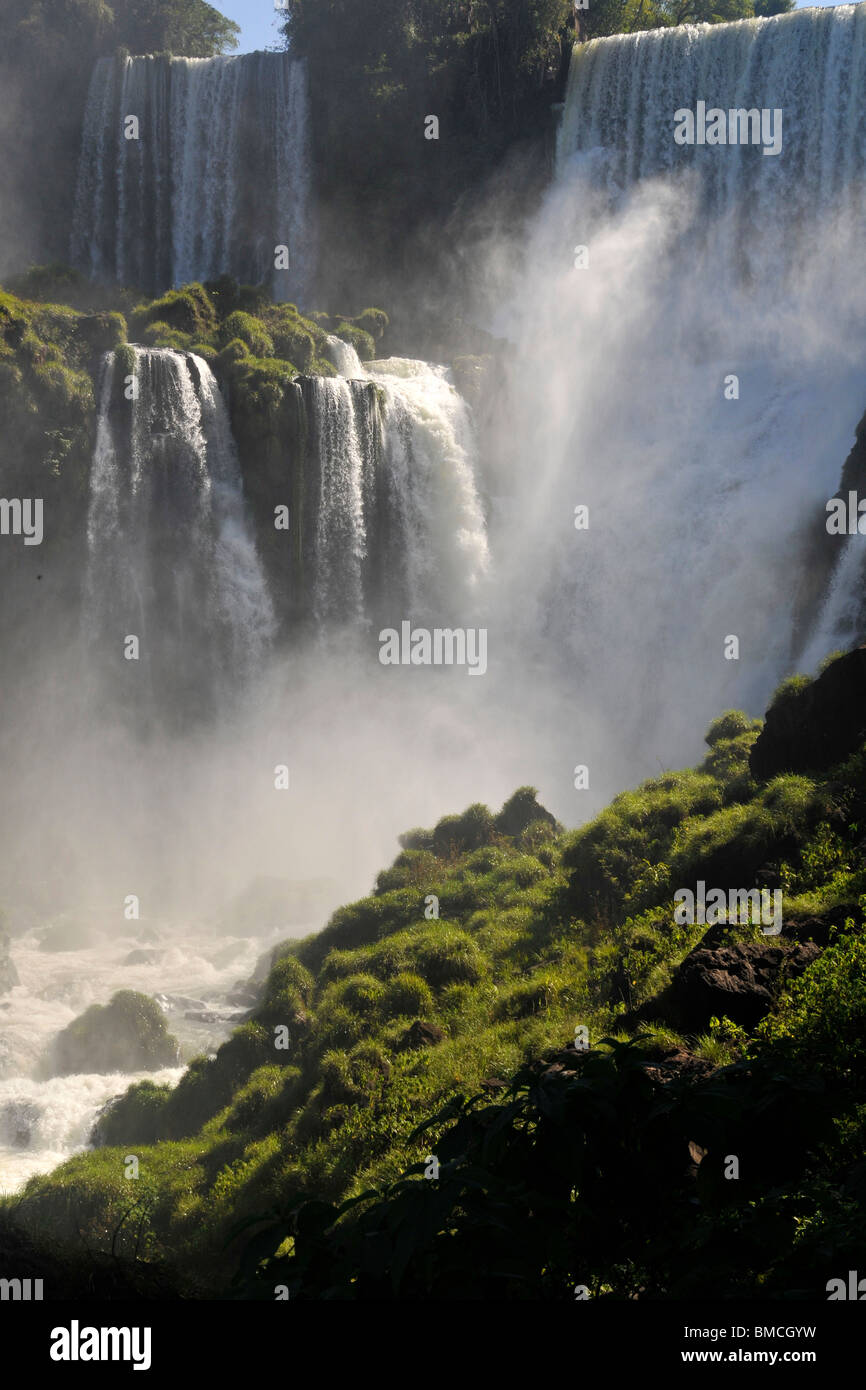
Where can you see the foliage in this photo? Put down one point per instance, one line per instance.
(127, 1034)
(413, 1036)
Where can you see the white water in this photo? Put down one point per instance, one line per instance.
(218, 177)
(171, 554)
(703, 262)
(190, 972)
(397, 473)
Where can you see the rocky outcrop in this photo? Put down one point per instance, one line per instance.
(420, 1034)
(811, 729)
(736, 982)
(128, 1034)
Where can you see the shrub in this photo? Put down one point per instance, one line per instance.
(459, 834)
(729, 725)
(188, 310)
(451, 958)
(538, 994)
(520, 811)
(822, 1021)
(292, 340)
(249, 330)
(407, 994)
(374, 322)
(136, 1117)
(789, 690)
(362, 994)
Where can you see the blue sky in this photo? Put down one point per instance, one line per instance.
(258, 20)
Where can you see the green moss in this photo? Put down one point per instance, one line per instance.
(250, 331)
(127, 1034)
(729, 726)
(189, 310)
(407, 995)
(358, 338)
(161, 335)
(374, 322)
(136, 1117)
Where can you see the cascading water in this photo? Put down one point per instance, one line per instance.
(623, 93)
(171, 555)
(688, 365)
(395, 513)
(607, 644)
(213, 179)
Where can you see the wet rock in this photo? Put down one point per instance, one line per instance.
(420, 1034)
(8, 974)
(143, 956)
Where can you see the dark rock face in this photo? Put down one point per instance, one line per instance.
(421, 1034)
(737, 982)
(817, 727)
(8, 973)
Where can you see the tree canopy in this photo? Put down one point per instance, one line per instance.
(44, 34)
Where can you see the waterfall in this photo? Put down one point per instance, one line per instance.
(687, 363)
(810, 66)
(394, 509)
(213, 179)
(171, 556)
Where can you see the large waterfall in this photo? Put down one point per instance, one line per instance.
(192, 168)
(171, 557)
(810, 67)
(688, 364)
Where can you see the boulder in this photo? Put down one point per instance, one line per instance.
(143, 955)
(128, 1034)
(420, 1034)
(736, 982)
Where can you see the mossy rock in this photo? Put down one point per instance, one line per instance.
(136, 1117)
(127, 1034)
(374, 322)
(294, 344)
(249, 330)
(160, 334)
(102, 332)
(188, 310)
(357, 338)
(233, 352)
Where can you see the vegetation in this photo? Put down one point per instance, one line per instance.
(127, 1034)
(403, 1095)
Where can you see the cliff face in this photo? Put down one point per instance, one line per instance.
(810, 728)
